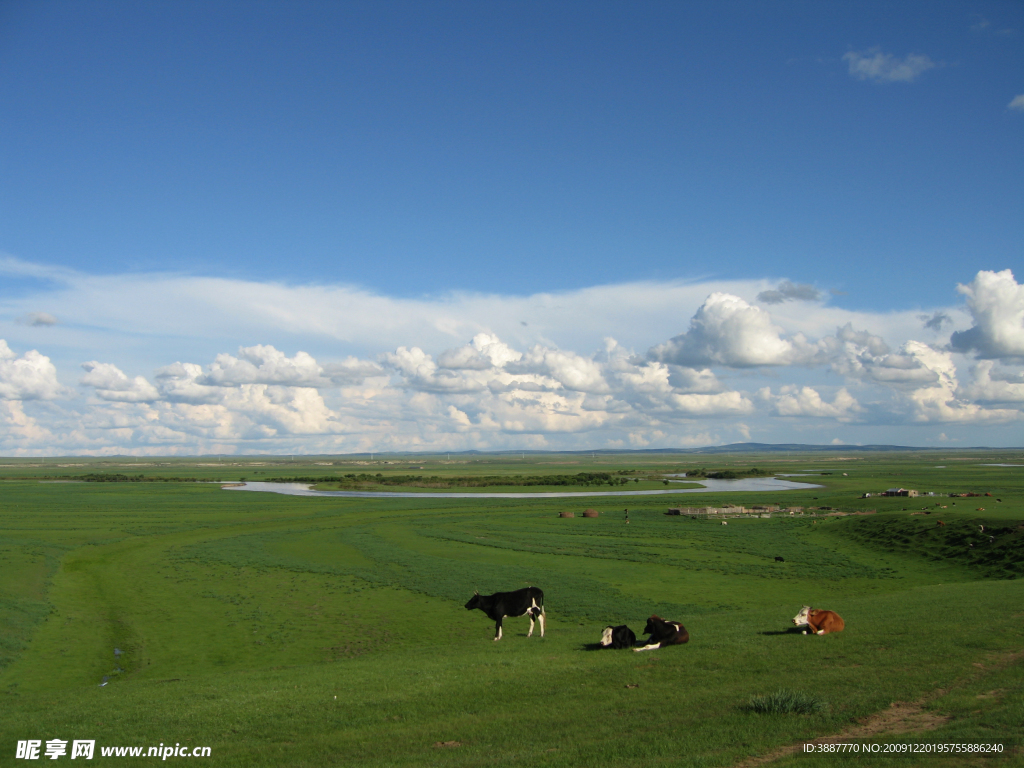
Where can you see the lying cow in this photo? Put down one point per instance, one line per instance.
(819, 622)
(663, 633)
(522, 602)
(618, 637)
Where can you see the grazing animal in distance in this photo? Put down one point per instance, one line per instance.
(818, 621)
(618, 637)
(663, 633)
(528, 601)
(779, 559)
(724, 522)
(941, 523)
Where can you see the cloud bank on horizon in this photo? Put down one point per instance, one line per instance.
(751, 362)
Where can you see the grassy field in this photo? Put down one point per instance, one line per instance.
(301, 631)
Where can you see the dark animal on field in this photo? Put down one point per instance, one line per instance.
(780, 559)
(819, 622)
(941, 523)
(618, 637)
(527, 601)
(663, 633)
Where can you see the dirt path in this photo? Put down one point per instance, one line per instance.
(901, 717)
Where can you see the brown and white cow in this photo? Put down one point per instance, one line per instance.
(819, 622)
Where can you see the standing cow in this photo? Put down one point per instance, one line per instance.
(663, 633)
(818, 621)
(522, 602)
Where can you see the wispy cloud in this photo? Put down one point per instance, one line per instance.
(37, 319)
(1017, 103)
(886, 68)
(788, 291)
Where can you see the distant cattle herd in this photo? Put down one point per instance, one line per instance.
(529, 601)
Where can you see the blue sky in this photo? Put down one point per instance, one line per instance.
(347, 180)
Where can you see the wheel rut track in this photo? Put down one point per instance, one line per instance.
(900, 718)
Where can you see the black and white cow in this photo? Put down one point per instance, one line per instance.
(618, 637)
(528, 601)
(663, 633)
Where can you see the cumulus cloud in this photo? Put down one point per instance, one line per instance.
(787, 291)
(941, 401)
(505, 386)
(180, 383)
(726, 330)
(263, 364)
(1017, 103)
(722, 404)
(996, 302)
(992, 386)
(29, 377)
(110, 383)
(484, 351)
(795, 401)
(862, 355)
(572, 371)
(886, 68)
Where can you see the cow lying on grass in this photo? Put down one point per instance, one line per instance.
(819, 622)
(522, 602)
(663, 633)
(618, 637)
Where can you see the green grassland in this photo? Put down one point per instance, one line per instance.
(303, 631)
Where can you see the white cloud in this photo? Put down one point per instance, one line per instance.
(485, 351)
(886, 68)
(1017, 103)
(112, 384)
(941, 402)
(571, 371)
(726, 330)
(988, 386)
(262, 364)
(807, 402)
(722, 404)
(29, 377)
(996, 303)
(539, 386)
(179, 383)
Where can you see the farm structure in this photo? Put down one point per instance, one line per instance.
(705, 513)
(901, 492)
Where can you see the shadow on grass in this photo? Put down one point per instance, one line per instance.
(790, 631)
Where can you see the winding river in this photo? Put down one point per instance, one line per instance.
(710, 486)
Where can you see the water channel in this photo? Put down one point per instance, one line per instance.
(762, 484)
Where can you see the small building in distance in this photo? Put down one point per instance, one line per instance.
(901, 492)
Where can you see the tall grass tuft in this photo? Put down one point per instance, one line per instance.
(786, 702)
